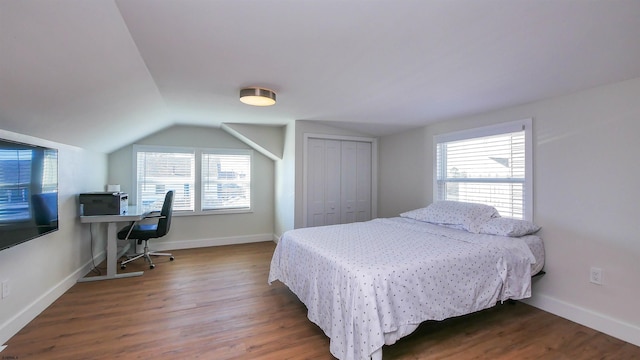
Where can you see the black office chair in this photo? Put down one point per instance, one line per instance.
(145, 232)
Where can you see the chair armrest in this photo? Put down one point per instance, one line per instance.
(153, 215)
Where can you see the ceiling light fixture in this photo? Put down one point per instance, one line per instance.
(257, 96)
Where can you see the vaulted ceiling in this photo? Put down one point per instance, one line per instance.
(101, 74)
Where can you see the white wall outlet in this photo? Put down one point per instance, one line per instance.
(595, 276)
(5, 289)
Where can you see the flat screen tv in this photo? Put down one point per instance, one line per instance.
(28, 192)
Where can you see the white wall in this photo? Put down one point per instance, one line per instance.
(404, 170)
(206, 230)
(285, 193)
(586, 198)
(42, 269)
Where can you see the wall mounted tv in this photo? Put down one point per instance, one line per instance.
(28, 192)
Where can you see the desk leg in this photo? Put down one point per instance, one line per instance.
(112, 250)
(112, 258)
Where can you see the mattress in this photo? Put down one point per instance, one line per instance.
(536, 245)
(368, 284)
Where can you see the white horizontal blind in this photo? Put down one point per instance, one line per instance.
(226, 180)
(160, 171)
(488, 169)
(16, 180)
(50, 171)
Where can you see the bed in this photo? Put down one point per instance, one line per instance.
(368, 284)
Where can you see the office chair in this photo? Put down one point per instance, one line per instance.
(145, 232)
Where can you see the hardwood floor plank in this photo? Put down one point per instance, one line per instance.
(215, 303)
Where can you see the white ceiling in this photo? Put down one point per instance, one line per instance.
(101, 74)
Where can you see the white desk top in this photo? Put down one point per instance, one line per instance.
(133, 214)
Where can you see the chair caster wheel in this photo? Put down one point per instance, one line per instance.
(123, 267)
(152, 266)
(171, 258)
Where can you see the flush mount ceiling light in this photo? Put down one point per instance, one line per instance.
(257, 96)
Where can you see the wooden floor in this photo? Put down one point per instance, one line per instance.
(215, 303)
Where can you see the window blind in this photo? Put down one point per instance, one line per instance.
(50, 172)
(204, 180)
(15, 179)
(16, 185)
(226, 180)
(486, 169)
(158, 172)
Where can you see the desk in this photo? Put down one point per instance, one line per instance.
(133, 214)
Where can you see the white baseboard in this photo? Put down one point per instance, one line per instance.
(29, 312)
(192, 244)
(600, 322)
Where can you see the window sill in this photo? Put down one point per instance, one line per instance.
(212, 212)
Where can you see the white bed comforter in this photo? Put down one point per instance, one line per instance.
(370, 283)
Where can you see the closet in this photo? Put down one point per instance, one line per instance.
(338, 181)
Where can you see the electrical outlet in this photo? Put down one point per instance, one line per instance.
(595, 276)
(5, 289)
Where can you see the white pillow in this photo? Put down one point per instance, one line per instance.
(469, 216)
(508, 227)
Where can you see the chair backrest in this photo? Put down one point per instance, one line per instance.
(167, 209)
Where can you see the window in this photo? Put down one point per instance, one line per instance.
(204, 180)
(490, 165)
(23, 174)
(226, 181)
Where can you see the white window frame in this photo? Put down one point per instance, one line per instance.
(198, 193)
(514, 126)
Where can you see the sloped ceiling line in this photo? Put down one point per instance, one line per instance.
(268, 140)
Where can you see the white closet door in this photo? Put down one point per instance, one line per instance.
(338, 181)
(315, 184)
(332, 182)
(356, 181)
(323, 182)
(349, 181)
(363, 180)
